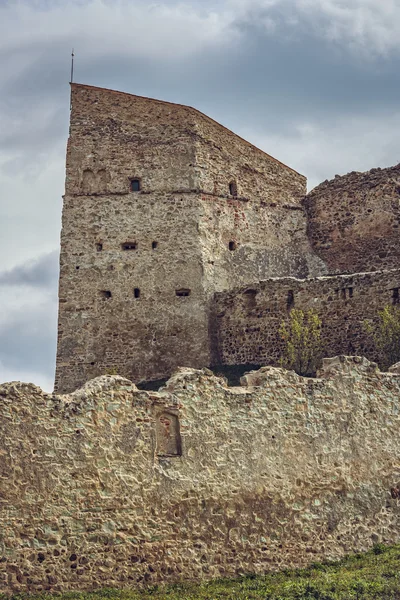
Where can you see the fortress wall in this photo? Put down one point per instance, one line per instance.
(354, 221)
(110, 486)
(116, 136)
(222, 157)
(244, 242)
(142, 338)
(247, 320)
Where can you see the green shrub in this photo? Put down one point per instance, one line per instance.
(302, 342)
(385, 333)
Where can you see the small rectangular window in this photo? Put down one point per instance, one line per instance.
(135, 185)
(395, 297)
(136, 293)
(154, 245)
(233, 189)
(129, 246)
(182, 293)
(105, 294)
(99, 246)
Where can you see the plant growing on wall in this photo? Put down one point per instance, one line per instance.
(385, 333)
(302, 341)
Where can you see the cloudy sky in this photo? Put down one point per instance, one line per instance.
(313, 82)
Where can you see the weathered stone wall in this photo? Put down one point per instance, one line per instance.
(247, 320)
(110, 486)
(118, 308)
(354, 221)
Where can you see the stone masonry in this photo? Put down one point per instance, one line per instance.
(354, 221)
(163, 207)
(248, 319)
(169, 218)
(112, 486)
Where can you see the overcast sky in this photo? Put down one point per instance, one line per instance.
(315, 83)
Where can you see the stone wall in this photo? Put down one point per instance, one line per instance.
(247, 320)
(110, 486)
(354, 221)
(138, 269)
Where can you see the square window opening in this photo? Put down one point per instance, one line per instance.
(135, 185)
(106, 294)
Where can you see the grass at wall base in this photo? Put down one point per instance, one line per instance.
(373, 575)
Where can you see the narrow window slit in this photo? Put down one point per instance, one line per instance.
(154, 245)
(233, 189)
(395, 297)
(290, 299)
(136, 293)
(182, 293)
(129, 246)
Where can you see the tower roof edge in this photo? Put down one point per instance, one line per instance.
(191, 108)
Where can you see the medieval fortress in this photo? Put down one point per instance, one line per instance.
(183, 247)
(170, 223)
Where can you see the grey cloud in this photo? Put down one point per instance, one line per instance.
(28, 340)
(40, 273)
(271, 71)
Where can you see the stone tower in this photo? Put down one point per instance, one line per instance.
(163, 207)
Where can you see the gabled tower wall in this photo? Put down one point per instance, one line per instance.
(213, 212)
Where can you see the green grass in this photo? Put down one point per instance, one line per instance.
(375, 574)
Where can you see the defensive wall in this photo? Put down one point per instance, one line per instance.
(354, 221)
(111, 486)
(247, 320)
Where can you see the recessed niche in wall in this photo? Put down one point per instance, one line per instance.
(105, 294)
(182, 293)
(168, 435)
(129, 246)
(250, 298)
(290, 299)
(232, 245)
(233, 189)
(135, 185)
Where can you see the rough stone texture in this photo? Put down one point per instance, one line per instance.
(180, 227)
(247, 320)
(354, 221)
(111, 486)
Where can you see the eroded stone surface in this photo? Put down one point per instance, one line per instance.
(112, 486)
(354, 221)
(248, 319)
(138, 269)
